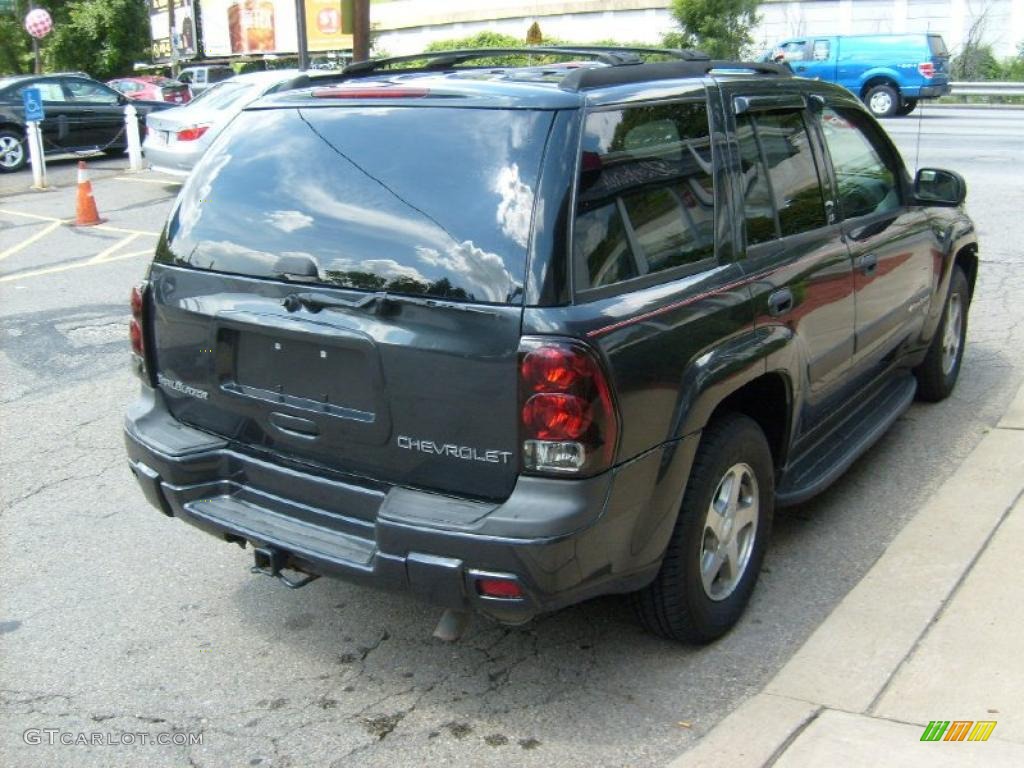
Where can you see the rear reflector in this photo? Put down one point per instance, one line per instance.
(506, 589)
(927, 69)
(191, 134)
(380, 92)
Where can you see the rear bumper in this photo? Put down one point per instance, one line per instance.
(928, 91)
(174, 159)
(563, 540)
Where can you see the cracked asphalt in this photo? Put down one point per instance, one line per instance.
(119, 622)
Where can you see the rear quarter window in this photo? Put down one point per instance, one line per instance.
(645, 199)
(436, 201)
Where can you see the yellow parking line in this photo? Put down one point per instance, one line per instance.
(103, 227)
(149, 181)
(29, 240)
(106, 254)
(91, 262)
(33, 216)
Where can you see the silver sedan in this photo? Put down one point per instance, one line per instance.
(178, 137)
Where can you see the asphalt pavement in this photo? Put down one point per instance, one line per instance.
(115, 620)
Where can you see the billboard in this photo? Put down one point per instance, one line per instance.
(184, 29)
(234, 27)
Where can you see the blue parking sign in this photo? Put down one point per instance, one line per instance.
(33, 100)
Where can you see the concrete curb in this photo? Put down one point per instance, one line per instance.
(851, 658)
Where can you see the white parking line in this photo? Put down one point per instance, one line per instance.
(31, 239)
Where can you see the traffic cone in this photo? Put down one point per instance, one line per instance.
(86, 214)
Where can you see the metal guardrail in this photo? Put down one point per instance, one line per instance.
(983, 88)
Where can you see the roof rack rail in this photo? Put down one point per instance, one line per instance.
(598, 77)
(606, 54)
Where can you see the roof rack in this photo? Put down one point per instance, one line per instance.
(599, 77)
(614, 56)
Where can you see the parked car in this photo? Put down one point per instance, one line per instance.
(890, 73)
(199, 78)
(178, 137)
(152, 88)
(81, 115)
(510, 339)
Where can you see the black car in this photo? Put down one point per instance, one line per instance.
(513, 337)
(81, 115)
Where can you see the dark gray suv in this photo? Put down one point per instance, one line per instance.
(510, 337)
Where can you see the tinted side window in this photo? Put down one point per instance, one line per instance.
(91, 93)
(867, 183)
(645, 201)
(780, 143)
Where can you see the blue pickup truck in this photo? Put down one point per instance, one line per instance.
(890, 73)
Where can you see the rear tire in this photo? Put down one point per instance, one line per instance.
(716, 550)
(13, 151)
(938, 374)
(882, 100)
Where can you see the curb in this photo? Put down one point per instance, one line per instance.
(850, 659)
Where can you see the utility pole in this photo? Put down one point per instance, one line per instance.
(360, 30)
(300, 32)
(170, 38)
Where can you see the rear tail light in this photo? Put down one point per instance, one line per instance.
(193, 133)
(927, 69)
(567, 417)
(136, 328)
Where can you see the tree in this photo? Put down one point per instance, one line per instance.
(720, 28)
(103, 38)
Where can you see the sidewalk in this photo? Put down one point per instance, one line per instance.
(934, 631)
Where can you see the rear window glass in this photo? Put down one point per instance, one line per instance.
(224, 95)
(417, 200)
(938, 45)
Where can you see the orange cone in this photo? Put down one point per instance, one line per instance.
(86, 214)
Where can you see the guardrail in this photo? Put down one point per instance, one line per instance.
(983, 88)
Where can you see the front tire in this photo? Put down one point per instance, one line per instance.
(718, 544)
(882, 100)
(938, 374)
(13, 151)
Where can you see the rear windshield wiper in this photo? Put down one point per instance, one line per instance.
(314, 302)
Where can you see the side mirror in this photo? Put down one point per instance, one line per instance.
(122, 99)
(934, 186)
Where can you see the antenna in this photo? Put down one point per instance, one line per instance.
(920, 114)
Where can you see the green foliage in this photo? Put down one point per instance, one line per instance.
(976, 62)
(718, 27)
(101, 37)
(15, 47)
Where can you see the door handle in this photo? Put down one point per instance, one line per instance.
(801, 68)
(868, 264)
(780, 302)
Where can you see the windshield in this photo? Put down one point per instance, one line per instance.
(433, 201)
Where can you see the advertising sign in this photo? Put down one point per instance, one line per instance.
(184, 29)
(232, 27)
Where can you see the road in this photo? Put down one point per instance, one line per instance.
(114, 619)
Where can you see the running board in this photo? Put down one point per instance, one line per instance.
(822, 465)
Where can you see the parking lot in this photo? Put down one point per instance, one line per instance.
(115, 619)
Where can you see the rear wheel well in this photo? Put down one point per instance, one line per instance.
(967, 260)
(878, 80)
(13, 127)
(766, 400)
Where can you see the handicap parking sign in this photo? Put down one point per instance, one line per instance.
(33, 100)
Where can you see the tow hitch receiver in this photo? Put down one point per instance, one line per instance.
(270, 561)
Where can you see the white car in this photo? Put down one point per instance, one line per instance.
(175, 142)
